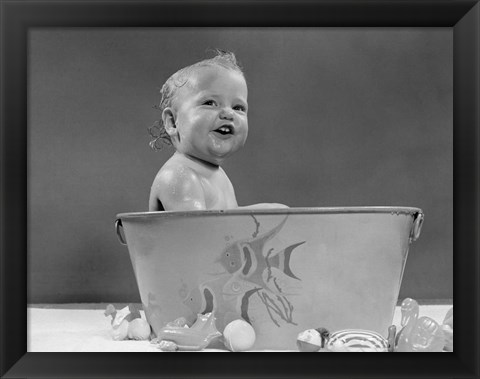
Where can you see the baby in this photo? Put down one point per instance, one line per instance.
(204, 116)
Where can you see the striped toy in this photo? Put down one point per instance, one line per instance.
(357, 340)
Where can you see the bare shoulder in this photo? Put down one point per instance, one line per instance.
(175, 174)
(174, 178)
(176, 186)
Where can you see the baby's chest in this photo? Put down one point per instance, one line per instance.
(218, 193)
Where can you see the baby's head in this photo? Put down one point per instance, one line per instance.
(181, 85)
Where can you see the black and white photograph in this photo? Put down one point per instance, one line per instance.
(240, 189)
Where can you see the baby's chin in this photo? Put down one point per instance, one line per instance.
(217, 158)
(218, 152)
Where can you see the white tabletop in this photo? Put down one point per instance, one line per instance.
(84, 328)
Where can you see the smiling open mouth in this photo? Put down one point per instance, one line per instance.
(224, 130)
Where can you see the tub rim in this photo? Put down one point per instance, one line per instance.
(294, 210)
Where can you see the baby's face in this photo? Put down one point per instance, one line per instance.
(211, 114)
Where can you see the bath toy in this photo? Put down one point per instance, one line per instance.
(418, 334)
(120, 332)
(357, 340)
(110, 311)
(447, 328)
(127, 323)
(130, 312)
(197, 337)
(139, 329)
(180, 322)
(119, 321)
(239, 335)
(309, 340)
(167, 345)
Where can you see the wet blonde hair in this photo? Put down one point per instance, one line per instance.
(157, 131)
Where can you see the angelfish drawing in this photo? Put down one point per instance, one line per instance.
(249, 258)
(251, 273)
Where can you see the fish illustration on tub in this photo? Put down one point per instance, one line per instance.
(238, 255)
(207, 296)
(225, 294)
(248, 257)
(253, 277)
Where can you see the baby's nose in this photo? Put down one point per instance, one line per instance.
(226, 114)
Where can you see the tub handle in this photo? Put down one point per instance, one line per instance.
(416, 227)
(119, 231)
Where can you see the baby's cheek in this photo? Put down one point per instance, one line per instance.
(244, 132)
(198, 120)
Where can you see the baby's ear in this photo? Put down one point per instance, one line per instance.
(168, 118)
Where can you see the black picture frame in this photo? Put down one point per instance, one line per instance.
(17, 17)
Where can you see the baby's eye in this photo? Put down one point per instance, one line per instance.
(209, 102)
(240, 108)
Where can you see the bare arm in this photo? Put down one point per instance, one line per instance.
(259, 205)
(265, 206)
(179, 188)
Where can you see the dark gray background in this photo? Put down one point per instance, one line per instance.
(338, 117)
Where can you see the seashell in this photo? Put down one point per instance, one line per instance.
(167, 346)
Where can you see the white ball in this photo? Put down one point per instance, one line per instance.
(309, 341)
(239, 335)
(139, 329)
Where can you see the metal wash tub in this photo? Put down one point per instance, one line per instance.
(283, 270)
